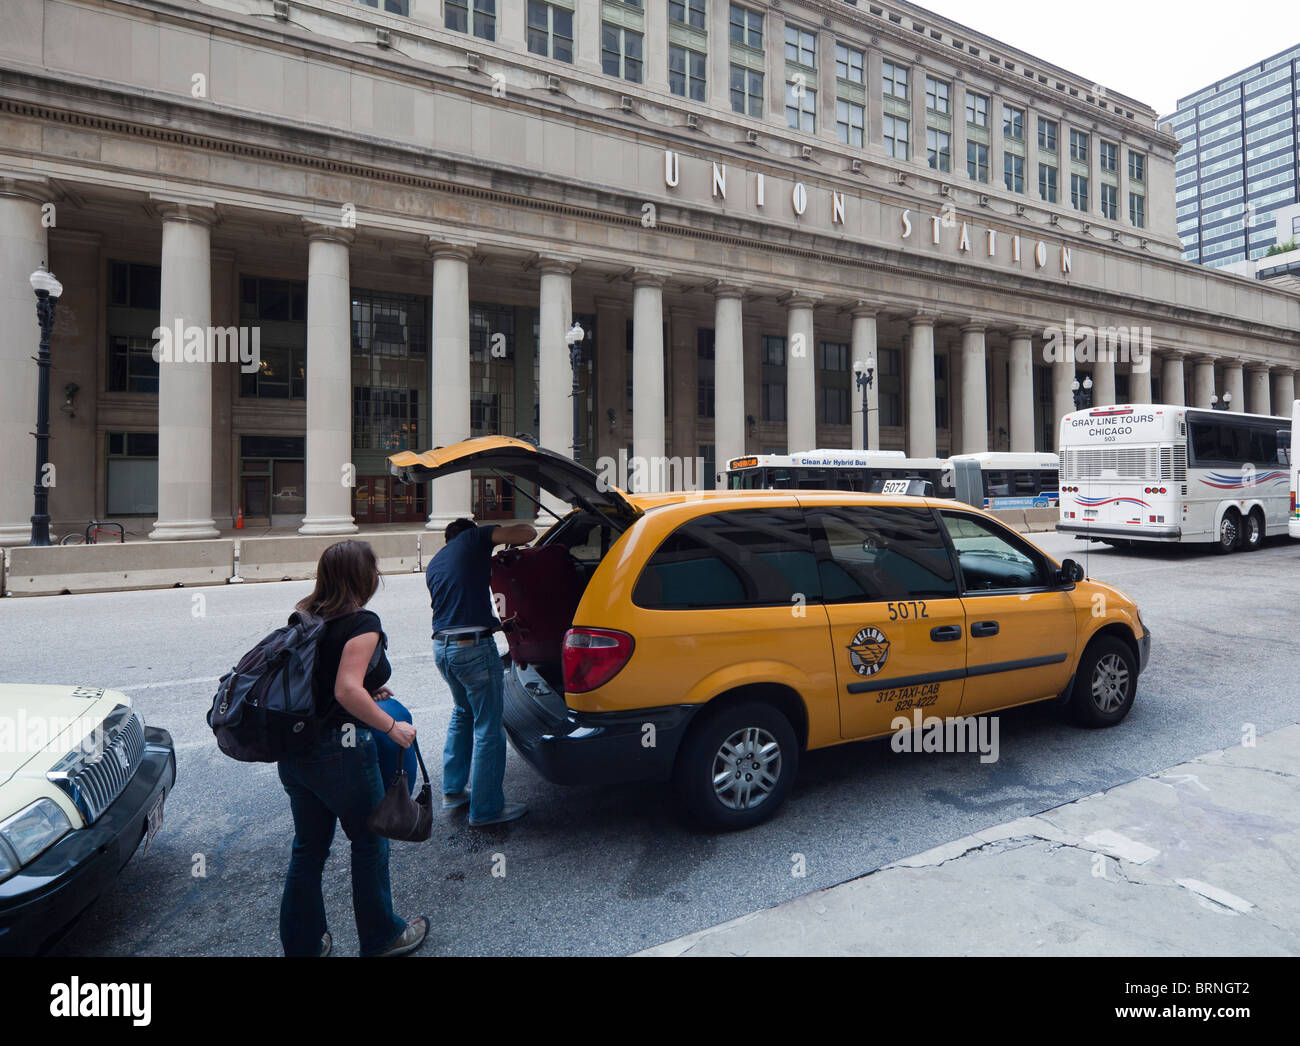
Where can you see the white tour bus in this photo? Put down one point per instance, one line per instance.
(1155, 472)
(1295, 475)
(991, 480)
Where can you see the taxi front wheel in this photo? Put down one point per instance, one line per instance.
(736, 766)
(1106, 683)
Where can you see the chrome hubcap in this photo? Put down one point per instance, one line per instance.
(1228, 532)
(746, 768)
(1110, 682)
(1252, 530)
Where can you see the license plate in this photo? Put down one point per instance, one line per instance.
(152, 823)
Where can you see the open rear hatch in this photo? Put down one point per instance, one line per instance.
(537, 590)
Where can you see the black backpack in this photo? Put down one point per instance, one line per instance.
(265, 707)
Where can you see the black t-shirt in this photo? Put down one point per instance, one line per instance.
(329, 652)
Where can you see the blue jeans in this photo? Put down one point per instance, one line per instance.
(475, 736)
(391, 754)
(328, 783)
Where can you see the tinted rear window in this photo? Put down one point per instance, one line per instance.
(876, 555)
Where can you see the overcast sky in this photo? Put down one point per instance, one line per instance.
(1155, 51)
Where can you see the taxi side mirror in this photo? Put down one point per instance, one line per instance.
(1071, 573)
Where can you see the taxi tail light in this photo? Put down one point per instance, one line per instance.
(594, 656)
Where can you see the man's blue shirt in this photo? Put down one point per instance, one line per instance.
(458, 578)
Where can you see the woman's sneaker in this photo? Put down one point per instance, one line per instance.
(409, 939)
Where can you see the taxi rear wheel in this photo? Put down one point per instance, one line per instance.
(737, 766)
(1106, 683)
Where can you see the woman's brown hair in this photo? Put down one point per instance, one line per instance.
(347, 578)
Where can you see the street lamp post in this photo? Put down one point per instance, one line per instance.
(1082, 394)
(48, 290)
(864, 374)
(1224, 404)
(574, 339)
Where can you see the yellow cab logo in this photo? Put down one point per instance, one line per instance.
(868, 652)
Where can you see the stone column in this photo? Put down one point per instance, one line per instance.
(1020, 393)
(865, 350)
(1283, 392)
(330, 473)
(1203, 382)
(1103, 383)
(449, 418)
(1234, 385)
(23, 248)
(922, 439)
(800, 376)
(1172, 384)
(555, 374)
(1063, 375)
(728, 376)
(1139, 379)
(1258, 390)
(974, 391)
(185, 388)
(647, 383)
(654, 48)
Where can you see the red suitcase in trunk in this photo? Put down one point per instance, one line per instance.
(536, 592)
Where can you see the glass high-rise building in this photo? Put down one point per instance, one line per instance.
(1238, 162)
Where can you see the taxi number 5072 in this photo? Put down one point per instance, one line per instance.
(904, 611)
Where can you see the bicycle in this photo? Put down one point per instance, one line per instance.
(94, 529)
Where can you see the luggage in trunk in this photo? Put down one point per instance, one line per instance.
(536, 591)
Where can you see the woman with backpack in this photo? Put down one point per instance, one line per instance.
(337, 779)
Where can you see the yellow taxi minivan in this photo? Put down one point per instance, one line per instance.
(709, 639)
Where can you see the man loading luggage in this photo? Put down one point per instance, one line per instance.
(466, 654)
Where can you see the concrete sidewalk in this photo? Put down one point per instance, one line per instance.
(1200, 859)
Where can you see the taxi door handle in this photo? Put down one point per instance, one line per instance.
(984, 629)
(946, 633)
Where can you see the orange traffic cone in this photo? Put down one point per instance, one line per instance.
(239, 518)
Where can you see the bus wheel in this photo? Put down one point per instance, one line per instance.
(1252, 537)
(1229, 532)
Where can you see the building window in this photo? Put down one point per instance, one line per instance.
(1079, 192)
(1108, 154)
(392, 7)
(1109, 202)
(1079, 146)
(550, 31)
(747, 27)
(773, 367)
(896, 137)
(894, 81)
(281, 375)
(977, 162)
(800, 107)
(132, 475)
(1047, 135)
(977, 109)
(132, 315)
(481, 15)
(800, 46)
(938, 148)
(282, 371)
(131, 366)
(938, 95)
(686, 72)
(850, 119)
(1013, 172)
(746, 91)
(1137, 210)
(848, 64)
(688, 12)
(1295, 224)
(1013, 123)
(890, 363)
(705, 342)
(621, 52)
(1048, 187)
(833, 384)
(1137, 166)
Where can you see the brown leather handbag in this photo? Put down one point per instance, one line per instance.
(400, 815)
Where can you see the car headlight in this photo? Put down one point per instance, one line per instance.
(32, 831)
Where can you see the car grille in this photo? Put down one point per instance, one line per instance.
(94, 774)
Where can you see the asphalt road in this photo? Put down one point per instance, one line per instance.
(611, 870)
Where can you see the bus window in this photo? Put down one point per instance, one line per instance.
(997, 484)
(1026, 484)
(779, 479)
(814, 479)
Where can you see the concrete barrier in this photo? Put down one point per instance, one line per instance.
(109, 568)
(1012, 517)
(1042, 520)
(294, 558)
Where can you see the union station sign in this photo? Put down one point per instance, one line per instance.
(942, 229)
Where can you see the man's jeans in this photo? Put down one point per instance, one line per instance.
(477, 683)
(332, 782)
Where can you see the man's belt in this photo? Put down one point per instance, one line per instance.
(464, 636)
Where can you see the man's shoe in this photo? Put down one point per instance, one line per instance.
(410, 939)
(453, 800)
(509, 812)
